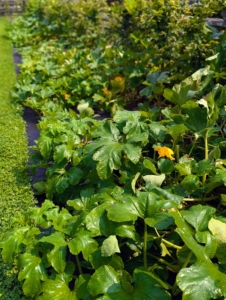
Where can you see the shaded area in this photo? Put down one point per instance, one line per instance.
(31, 118)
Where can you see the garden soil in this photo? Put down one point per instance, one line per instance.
(31, 118)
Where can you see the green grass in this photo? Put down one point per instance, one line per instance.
(15, 190)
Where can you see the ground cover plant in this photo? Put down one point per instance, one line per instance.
(135, 201)
(15, 191)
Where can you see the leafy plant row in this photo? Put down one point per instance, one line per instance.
(135, 203)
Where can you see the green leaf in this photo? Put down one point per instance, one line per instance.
(57, 289)
(198, 216)
(204, 268)
(83, 242)
(110, 246)
(179, 94)
(59, 219)
(144, 206)
(38, 214)
(130, 5)
(176, 130)
(97, 260)
(222, 98)
(45, 145)
(190, 183)
(159, 220)
(134, 181)
(185, 168)
(150, 166)
(109, 159)
(75, 175)
(133, 152)
(203, 167)
(197, 117)
(168, 196)
(153, 79)
(134, 129)
(220, 253)
(122, 211)
(157, 131)
(106, 281)
(125, 115)
(61, 152)
(155, 179)
(57, 256)
(197, 283)
(215, 153)
(61, 183)
(166, 166)
(32, 270)
(13, 244)
(40, 187)
(218, 230)
(97, 222)
(103, 281)
(81, 285)
(205, 237)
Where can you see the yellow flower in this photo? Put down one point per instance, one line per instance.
(164, 151)
(118, 79)
(66, 96)
(106, 91)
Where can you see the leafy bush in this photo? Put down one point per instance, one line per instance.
(86, 46)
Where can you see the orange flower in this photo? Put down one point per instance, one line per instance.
(66, 96)
(106, 91)
(118, 79)
(164, 151)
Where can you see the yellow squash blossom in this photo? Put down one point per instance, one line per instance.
(164, 151)
(106, 91)
(118, 79)
(66, 96)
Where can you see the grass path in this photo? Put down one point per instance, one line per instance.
(15, 190)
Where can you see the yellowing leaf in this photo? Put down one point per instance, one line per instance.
(164, 151)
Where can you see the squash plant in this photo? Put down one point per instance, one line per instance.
(127, 223)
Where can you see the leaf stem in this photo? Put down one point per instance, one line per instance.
(193, 145)
(145, 245)
(172, 267)
(79, 265)
(177, 149)
(171, 244)
(206, 154)
(187, 260)
(201, 199)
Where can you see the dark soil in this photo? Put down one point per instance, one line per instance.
(31, 118)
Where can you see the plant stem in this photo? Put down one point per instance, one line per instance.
(171, 244)
(201, 199)
(192, 147)
(172, 267)
(177, 153)
(78, 263)
(206, 154)
(145, 246)
(187, 260)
